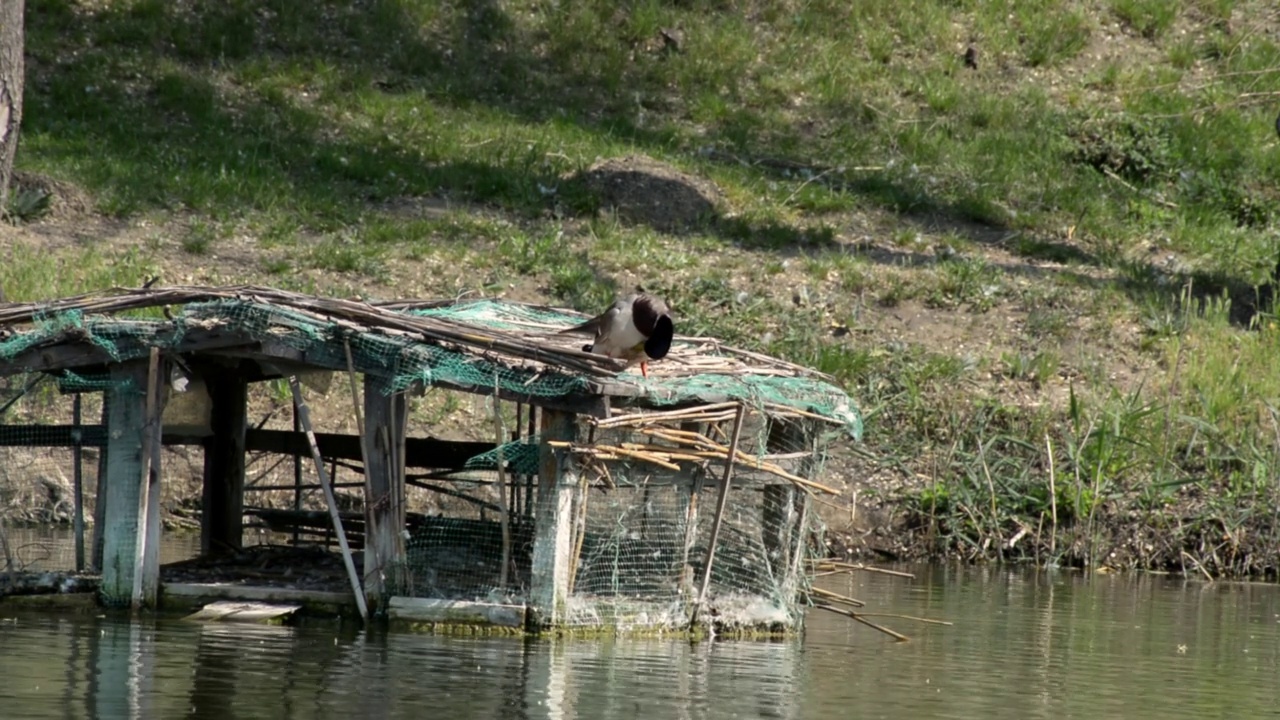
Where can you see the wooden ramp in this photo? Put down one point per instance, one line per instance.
(243, 611)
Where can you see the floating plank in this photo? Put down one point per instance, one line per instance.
(457, 612)
(242, 611)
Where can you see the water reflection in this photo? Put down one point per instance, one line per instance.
(109, 667)
(1024, 645)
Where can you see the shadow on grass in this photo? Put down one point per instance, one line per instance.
(213, 107)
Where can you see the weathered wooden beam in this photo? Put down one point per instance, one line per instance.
(65, 436)
(100, 492)
(256, 593)
(419, 452)
(125, 425)
(77, 483)
(146, 574)
(553, 531)
(222, 524)
(80, 352)
(384, 426)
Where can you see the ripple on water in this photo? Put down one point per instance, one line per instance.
(1022, 646)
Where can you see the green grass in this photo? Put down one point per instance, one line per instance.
(867, 173)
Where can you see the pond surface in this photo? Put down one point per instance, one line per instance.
(1024, 645)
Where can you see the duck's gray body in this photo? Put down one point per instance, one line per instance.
(636, 329)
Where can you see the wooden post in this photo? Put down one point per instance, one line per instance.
(553, 525)
(100, 492)
(372, 564)
(77, 481)
(146, 574)
(384, 426)
(222, 518)
(304, 415)
(720, 505)
(125, 430)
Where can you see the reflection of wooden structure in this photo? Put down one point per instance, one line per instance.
(223, 340)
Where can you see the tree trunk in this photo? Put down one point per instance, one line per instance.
(11, 76)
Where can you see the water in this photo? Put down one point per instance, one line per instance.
(1023, 645)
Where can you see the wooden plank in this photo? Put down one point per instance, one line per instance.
(127, 403)
(222, 521)
(384, 427)
(146, 574)
(65, 436)
(455, 612)
(419, 452)
(100, 493)
(80, 353)
(243, 611)
(77, 483)
(553, 532)
(260, 593)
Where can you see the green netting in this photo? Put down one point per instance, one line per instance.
(799, 392)
(640, 539)
(407, 363)
(519, 456)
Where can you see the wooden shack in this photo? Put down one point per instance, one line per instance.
(613, 501)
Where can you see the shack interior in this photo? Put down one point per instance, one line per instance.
(596, 498)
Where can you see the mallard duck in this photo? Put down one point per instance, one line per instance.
(636, 328)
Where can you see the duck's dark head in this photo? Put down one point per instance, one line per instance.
(659, 342)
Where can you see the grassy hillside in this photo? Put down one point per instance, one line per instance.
(1028, 236)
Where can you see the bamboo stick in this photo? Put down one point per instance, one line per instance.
(304, 416)
(665, 415)
(927, 621)
(862, 619)
(718, 518)
(837, 597)
(859, 566)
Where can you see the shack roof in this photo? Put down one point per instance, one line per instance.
(482, 346)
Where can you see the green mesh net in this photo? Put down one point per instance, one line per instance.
(408, 362)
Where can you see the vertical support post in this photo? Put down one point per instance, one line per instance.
(77, 480)
(553, 525)
(527, 504)
(304, 415)
(384, 427)
(730, 460)
(100, 491)
(222, 521)
(146, 573)
(126, 400)
(297, 475)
